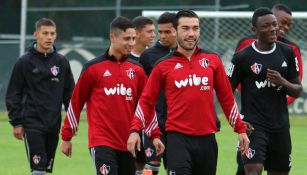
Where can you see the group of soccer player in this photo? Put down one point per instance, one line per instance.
(146, 101)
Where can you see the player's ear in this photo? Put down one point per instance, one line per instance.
(112, 37)
(35, 34)
(254, 29)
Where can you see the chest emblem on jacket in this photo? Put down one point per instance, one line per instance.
(204, 63)
(256, 68)
(130, 73)
(55, 70)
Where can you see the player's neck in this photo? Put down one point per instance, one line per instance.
(186, 53)
(138, 49)
(264, 46)
(40, 49)
(118, 56)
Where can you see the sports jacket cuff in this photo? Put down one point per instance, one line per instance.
(155, 136)
(241, 130)
(135, 129)
(65, 138)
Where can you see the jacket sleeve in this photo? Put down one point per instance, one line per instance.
(15, 95)
(300, 65)
(79, 97)
(226, 98)
(69, 85)
(145, 116)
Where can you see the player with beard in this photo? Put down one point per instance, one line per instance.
(267, 71)
(189, 76)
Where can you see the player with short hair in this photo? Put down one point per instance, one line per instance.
(40, 83)
(284, 18)
(145, 35)
(165, 44)
(268, 71)
(189, 77)
(110, 85)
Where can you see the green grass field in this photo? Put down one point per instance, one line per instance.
(13, 156)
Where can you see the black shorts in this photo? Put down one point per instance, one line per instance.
(187, 155)
(109, 161)
(272, 149)
(41, 148)
(150, 152)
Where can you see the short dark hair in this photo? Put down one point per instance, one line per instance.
(262, 11)
(167, 17)
(282, 7)
(120, 24)
(141, 21)
(44, 22)
(184, 13)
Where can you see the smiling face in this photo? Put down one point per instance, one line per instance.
(284, 20)
(266, 28)
(188, 32)
(45, 37)
(122, 42)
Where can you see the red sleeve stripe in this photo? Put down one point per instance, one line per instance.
(139, 114)
(153, 124)
(233, 115)
(72, 119)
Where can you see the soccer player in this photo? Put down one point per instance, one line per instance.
(145, 35)
(165, 44)
(189, 77)
(284, 18)
(110, 85)
(40, 83)
(268, 71)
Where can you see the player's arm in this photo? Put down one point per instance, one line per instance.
(300, 65)
(226, 98)
(80, 95)
(234, 73)
(143, 117)
(69, 86)
(290, 84)
(13, 99)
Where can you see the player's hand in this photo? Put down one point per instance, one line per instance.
(159, 146)
(274, 77)
(243, 143)
(134, 143)
(18, 132)
(66, 148)
(249, 128)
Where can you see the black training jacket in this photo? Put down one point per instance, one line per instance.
(148, 59)
(39, 85)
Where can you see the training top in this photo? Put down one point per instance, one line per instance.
(189, 89)
(264, 104)
(246, 41)
(148, 59)
(111, 90)
(39, 85)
